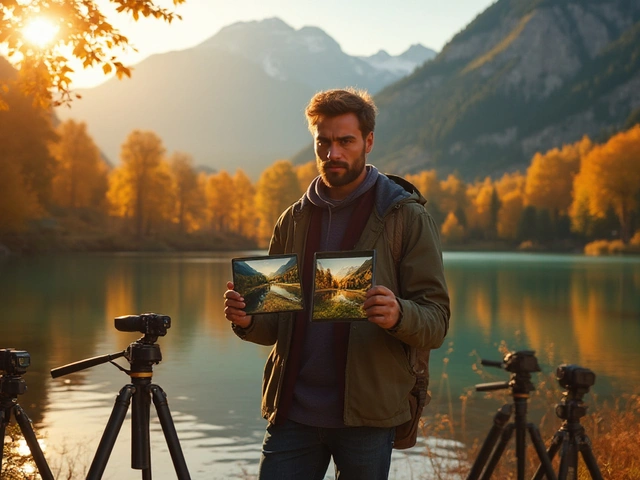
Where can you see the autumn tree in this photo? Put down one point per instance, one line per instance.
(483, 208)
(452, 231)
(510, 189)
(429, 185)
(80, 178)
(306, 173)
(189, 194)
(18, 203)
(133, 184)
(611, 175)
(243, 207)
(549, 182)
(276, 189)
(80, 32)
(220, 192)
(454, 197)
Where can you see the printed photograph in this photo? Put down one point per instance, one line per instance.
(269, 284)
(341, 280)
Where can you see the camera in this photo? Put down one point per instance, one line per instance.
(147, 323)
(14, 362)
(523, 361)
(575, 377)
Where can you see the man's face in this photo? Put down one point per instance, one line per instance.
(341, 153)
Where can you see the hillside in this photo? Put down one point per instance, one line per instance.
(524, 76)
(236, 100)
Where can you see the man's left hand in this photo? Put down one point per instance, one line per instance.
(382, 307)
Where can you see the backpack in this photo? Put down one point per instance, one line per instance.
(407, 433)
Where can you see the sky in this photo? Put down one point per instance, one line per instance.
(361, 27)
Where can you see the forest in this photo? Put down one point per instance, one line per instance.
(58, 193)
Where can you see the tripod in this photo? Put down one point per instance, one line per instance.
(571, 438)
(10, 387)
(520, 364)
(142, 355)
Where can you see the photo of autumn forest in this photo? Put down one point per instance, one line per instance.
(268, 284)
(340, 283)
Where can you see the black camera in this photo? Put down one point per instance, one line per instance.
(575, 377)
(147, 323)
(14, 362)
(523, 361)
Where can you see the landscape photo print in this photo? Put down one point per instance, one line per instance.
(341, 280)
(269, 284)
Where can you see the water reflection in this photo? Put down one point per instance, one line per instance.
(567, 308)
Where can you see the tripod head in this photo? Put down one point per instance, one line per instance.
(141, 354)
(520, 364)
(577, 380)
(13, 364)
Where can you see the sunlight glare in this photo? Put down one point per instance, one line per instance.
(40, 31)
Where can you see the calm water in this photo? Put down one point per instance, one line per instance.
(571, 309)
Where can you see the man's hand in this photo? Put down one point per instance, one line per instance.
(234, 307)
(382, 307)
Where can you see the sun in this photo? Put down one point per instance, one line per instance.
(39, 31)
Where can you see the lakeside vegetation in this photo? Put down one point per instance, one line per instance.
(59, 194)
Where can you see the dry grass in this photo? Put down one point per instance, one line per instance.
(612, 427)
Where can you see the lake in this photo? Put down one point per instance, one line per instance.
(567, 308)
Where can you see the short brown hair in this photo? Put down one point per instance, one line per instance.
(332, 103)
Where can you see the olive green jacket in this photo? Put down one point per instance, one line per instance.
(379, 374)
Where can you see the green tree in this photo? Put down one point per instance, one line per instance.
(83, 33)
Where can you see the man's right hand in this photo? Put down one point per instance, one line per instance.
(234, 307)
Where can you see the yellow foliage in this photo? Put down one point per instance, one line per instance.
(452, 231)
(550, 176)
(428, 184)
(610, 177)
(454, 194)
(82, 33)
(80, 178)
(18, 203)
(142, 177)
(220, 195)
(306, 173)
(243, 208)
(189, 192)
(277, 188)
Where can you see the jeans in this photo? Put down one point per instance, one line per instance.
(293, 451)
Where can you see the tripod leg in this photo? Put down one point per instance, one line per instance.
(499, 421)
(140, 445)
(110, 434)
(170, 435)
(497, 453)
(556, 443)
(4, 420)
(545, 459)
(568, 460)
(32, 442)
(584, 444)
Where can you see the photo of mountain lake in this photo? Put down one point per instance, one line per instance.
(340, 282)
(269, 284)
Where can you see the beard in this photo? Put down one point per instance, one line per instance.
(344, 177)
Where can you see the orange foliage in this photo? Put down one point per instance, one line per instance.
(610, 177)
(80, 178)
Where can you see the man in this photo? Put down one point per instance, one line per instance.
(338, 390)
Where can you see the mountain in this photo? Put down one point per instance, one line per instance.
(243, 268)
(235, 100)
(290, 265)
(402, 64)
(524, 76)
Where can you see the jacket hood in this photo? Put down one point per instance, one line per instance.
(390, 190)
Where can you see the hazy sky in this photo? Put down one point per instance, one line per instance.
(361, 27)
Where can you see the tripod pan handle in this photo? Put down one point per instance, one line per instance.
(487, 387)
(82, 364)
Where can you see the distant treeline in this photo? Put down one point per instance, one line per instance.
(55, 179)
